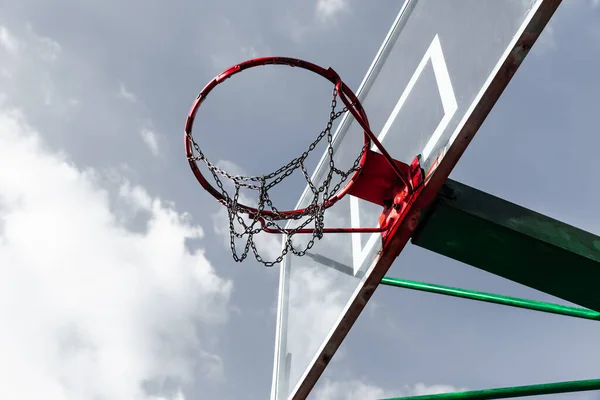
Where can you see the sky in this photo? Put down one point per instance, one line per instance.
(116, 276)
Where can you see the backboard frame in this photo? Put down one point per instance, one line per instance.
(401, 233)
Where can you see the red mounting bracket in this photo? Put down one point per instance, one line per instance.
(380, 183)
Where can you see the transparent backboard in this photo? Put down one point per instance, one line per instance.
(427, 79)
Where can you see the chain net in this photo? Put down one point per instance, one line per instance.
(251, 224)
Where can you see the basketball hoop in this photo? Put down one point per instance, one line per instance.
(373, 177)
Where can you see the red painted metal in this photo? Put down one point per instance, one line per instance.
(378, 184)
(391, 177)
(364, 123)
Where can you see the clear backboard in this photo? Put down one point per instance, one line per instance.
(437, 75)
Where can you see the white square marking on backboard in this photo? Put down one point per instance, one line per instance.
(442, 77)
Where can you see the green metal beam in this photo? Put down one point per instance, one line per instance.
(511, 241)
(511, 392)
(494, 298)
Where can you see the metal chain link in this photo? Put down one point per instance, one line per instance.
(258, 222)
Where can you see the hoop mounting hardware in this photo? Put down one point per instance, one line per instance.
(374, 177)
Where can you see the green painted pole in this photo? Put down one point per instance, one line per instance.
(510, 241)
(494, 298)
(510, 392)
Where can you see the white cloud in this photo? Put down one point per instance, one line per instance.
(90, 307)
(327, 10)
(350, 390)
(229, 46)
(358, 390)
(48, 48)
(8, 41)
(5, 74)
(249, 52)
(38, 77)
(421, 389)
(124, 93)
(151, 140)
(178, 396)
(309, 22)
(45, 48)
(212, 366)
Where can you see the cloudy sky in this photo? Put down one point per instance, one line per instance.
(116, 278)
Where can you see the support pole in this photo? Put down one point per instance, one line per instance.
(511, 392)
(511, 241)
(494, 298)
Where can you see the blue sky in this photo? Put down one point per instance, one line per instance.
(116, 279)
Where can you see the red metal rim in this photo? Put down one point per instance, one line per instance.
(345, 93)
